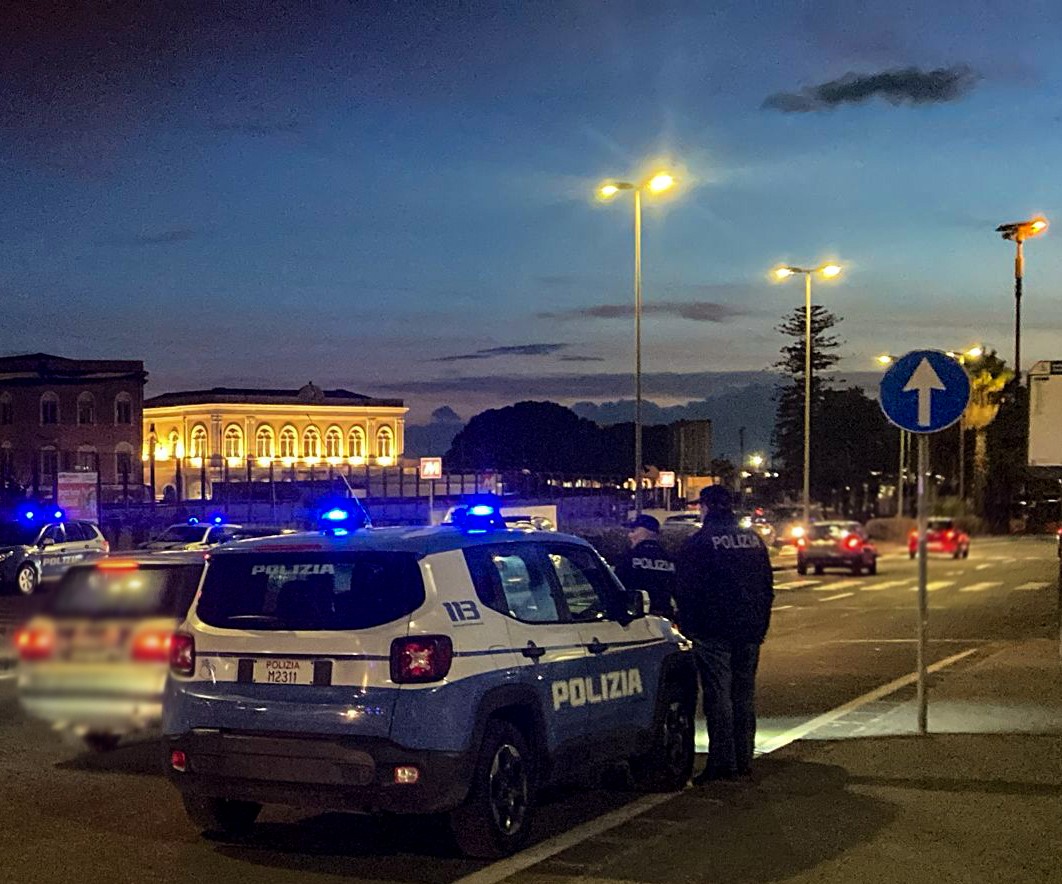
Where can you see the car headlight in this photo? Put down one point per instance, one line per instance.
(6, 554)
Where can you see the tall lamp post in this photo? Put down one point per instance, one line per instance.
(827, 271)
(1018, 232)
(660, 182)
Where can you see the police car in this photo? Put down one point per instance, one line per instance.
(196, 534)
(40, 544)
(455, 669)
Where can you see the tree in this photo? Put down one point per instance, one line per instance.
(852, 433)
(789, 414)
(538, 436)
(988, 381)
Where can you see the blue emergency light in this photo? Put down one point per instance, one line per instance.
(340, 516)
(192, 520)
(479, 516)
(32, 513)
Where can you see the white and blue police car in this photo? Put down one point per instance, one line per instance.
(454, 669)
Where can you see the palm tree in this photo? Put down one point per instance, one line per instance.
(987, 383)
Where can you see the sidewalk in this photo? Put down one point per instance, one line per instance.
(868, 800)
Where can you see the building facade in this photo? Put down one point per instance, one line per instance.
(70, 415)
(196, 438)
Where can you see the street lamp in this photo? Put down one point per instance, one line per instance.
(658, 183)
(1019, 231)
(827, 271)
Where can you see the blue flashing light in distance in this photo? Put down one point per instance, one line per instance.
(217, 520)
(335, 514)
(481, 509)
(479, 515)
(192, 520)
(58, 514)
(29, 514)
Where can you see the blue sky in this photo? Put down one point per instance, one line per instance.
(356, 193)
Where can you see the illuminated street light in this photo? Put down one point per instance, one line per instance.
(1018, 232)
(756, 460)
(827, 271)
(885, 359)
(658, 183)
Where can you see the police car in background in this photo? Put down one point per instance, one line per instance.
(195, 534)
(454, 670)
(40, 544)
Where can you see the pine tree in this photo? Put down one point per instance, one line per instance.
(789, 415)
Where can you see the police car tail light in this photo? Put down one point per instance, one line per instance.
(35, 644)
(182, 653)
(420, 659)
(152, 646)
(406, 774)
(178, 760)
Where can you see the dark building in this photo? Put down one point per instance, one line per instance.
(70, 415)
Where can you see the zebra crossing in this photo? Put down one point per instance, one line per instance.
(847, 588)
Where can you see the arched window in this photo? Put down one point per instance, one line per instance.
(333, 443)
(123, 462)
(311, 443)
(49, 409)
(199, 441)
(49, 462)
(123, 408)
(86, 409)
(288, 441)
(385, 443)
(233, 441)
(356, 442)
(7, 410)
(173, 443)
(263, 442)
(86, 458)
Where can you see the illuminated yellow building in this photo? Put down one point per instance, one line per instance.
(204, 436)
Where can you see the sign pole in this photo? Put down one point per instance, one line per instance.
(431, 502)
(923, 594)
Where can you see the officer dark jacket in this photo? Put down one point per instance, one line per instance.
(648, 566)
(724, 584)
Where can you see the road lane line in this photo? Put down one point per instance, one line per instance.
(935, 585)
(1035, 584)
(840, 595)
(982, 567)
(782, 608)
(840, 584)
(506, 868)
(797, 584)
(980, 587)
(886, 584)
(802, 730)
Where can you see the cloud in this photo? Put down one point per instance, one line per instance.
(696, 311)
(897, 86)
(582, 359)
(515, 350)
(164, 237)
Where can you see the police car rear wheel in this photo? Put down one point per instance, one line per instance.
(224, 816)
(26, 579)
(667, 766)
(495, 819)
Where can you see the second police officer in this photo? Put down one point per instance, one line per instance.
(647, 565)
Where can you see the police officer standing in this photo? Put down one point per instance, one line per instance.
(646, 565)
(724, 592)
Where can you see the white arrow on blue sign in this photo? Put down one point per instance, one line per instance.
(924, 391)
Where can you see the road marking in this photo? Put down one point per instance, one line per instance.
(840, 584)
(7, 675)
(782, 608)
(887, 584)
(935, 585)
(1035, 584)
(802, 730)
(982, 567)
(797, 584)
(506, 868)
(840, 595)
(980, 587)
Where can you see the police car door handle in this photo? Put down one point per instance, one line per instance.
(533, 651)
(596, 647)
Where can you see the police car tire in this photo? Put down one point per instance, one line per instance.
(222, 816)
(475, 824)
(31, 583)
(667, 766)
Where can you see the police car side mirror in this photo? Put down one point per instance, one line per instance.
(641, 606)
(46, 541)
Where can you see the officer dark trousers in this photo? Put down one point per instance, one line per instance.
(728, 680)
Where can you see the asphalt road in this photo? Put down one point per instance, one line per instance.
(69, 815)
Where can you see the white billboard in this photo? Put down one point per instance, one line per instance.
(1045, 414)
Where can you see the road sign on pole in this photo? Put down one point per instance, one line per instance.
(431, 471)
(924, 391)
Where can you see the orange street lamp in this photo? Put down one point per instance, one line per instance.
(1019, 231)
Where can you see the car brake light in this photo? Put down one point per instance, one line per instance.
(852, 541)
(406, 774)
(34, 644)
(801, 542)
(178, 760)
(950, 535)
(152, 647)
(182, 653)
(914, 535)
(421, 658)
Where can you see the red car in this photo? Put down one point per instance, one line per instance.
(942, 536)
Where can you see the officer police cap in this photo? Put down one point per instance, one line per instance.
(646, 521)
(716, 496)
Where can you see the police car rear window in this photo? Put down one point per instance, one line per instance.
(310, 591)
(144, 591)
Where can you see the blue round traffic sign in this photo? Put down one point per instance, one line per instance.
(924, 391)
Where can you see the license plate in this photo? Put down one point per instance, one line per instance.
(283, 671)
